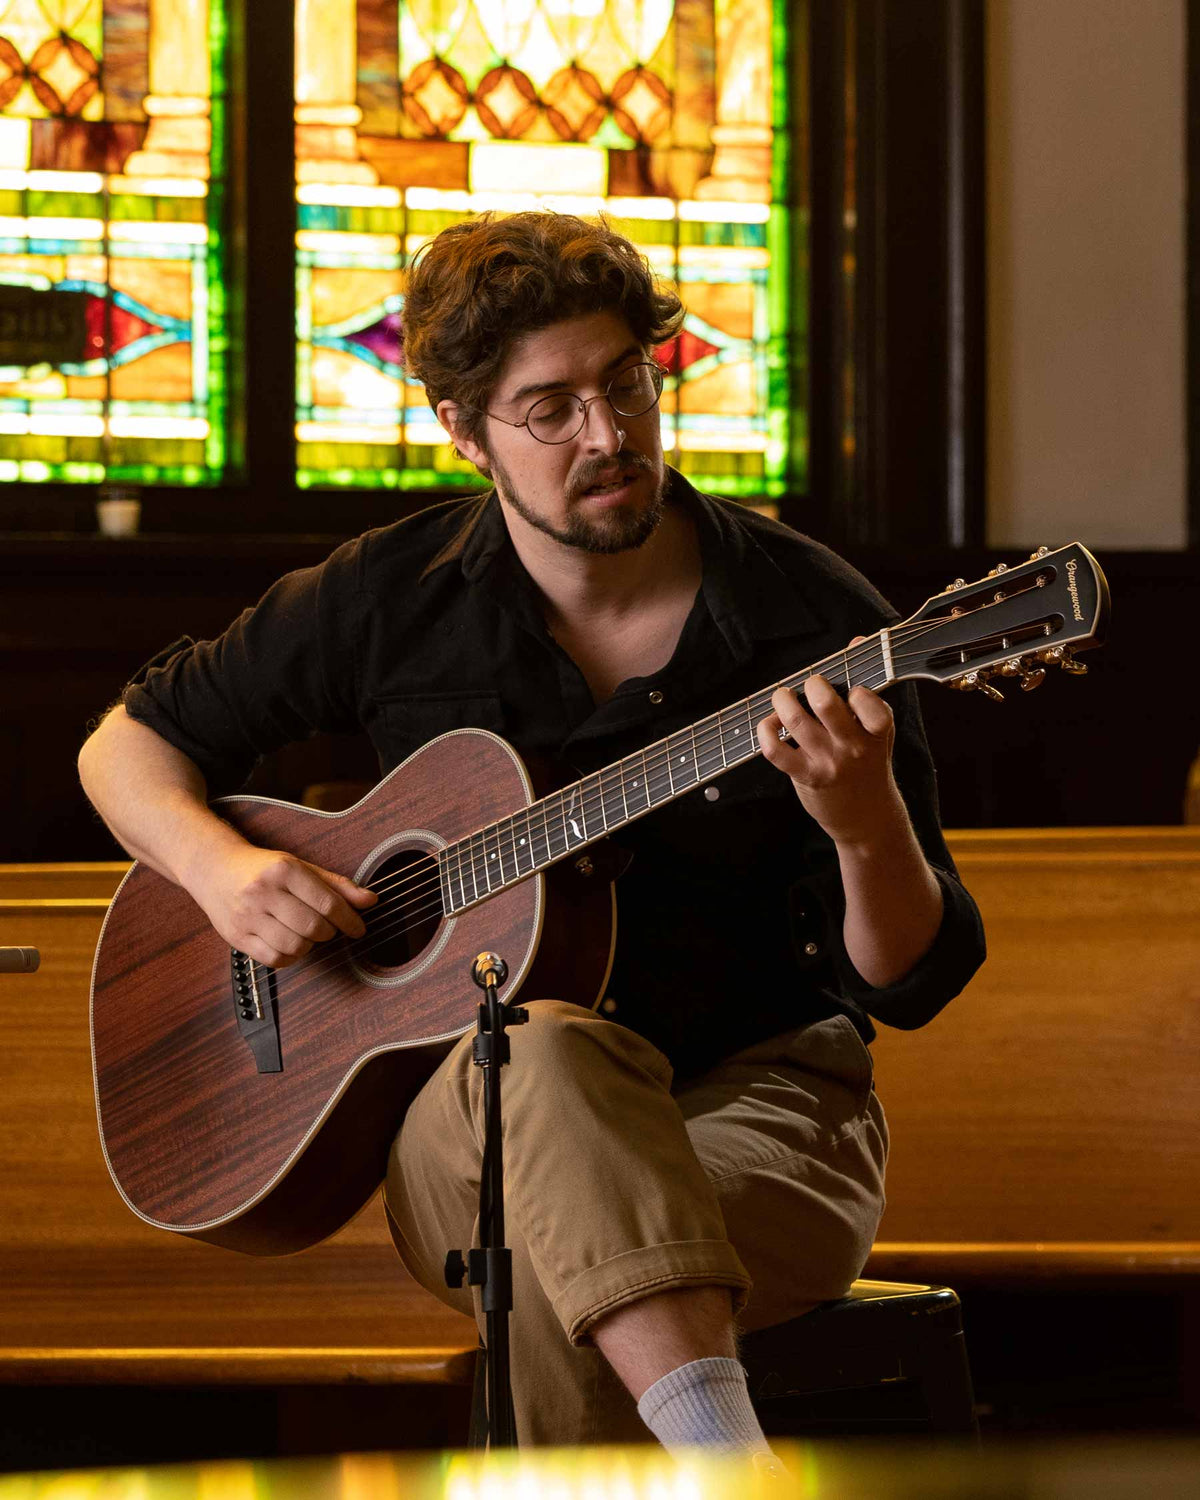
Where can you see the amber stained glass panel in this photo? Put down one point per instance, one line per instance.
(666, 115)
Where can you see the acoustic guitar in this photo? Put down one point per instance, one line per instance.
(253, 1107)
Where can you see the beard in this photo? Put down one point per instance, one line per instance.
(610, 532)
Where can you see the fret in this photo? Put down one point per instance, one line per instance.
(462, 880)
(497, 865)
(681, 760)
(572, 812)
(520, 845)
(624, 799)
(556, 838)
(462, 875)
(597, 780)
(493, 871)
(654, 773)
(561, 839)
(545, 857)
(755, 713)
(475, 863)
(584, 803)
(524, 836)
(737, 734)
(444, 881)
(637, 793)
(504, 850)
(612, 804)
(705, 750)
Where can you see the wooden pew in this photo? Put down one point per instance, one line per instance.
(1043, 1126)
(90, 1293)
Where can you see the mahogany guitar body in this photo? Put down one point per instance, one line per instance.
(197, 1138)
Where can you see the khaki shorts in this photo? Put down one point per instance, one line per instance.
(764, 1175)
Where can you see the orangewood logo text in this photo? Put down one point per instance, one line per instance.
(1073, 588)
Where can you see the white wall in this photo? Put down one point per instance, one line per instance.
(1085, 244)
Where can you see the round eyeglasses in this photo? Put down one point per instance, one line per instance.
(560, 417)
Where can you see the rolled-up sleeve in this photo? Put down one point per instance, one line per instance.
(284, 670)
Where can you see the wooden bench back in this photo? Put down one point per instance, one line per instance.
(1055, 1102)
(89, 1292)
(1049, 1116)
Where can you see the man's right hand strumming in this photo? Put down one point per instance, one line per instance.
(268, 904)
(272, 905)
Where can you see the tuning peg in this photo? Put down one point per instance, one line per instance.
(976, 682)
(1061, 656)
(1031, 680)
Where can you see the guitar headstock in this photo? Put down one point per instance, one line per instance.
(1014, 623)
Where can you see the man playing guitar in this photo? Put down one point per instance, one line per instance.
(704, 1149)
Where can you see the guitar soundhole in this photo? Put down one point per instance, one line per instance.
(405, 920)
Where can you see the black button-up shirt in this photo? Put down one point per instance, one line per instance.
(730, 912)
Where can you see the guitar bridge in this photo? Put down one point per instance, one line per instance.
(256, 1009)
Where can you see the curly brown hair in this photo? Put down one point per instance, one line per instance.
(482, 284)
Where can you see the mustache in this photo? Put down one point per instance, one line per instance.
(593, 470)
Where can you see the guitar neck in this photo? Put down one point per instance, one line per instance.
(493, 858)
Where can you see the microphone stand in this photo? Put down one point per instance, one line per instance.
(490, 1266)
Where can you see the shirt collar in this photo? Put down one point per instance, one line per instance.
(748, 594)
(765, 604)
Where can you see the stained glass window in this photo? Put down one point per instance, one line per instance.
(669, 116)
(112, 304)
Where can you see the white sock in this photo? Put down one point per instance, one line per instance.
(703, 1403)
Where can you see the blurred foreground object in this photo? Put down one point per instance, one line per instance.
(911, 1471)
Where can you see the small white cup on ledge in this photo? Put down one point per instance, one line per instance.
(118, 511)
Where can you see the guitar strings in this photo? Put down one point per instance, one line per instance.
(419, 888)
(655, 761)
(655, 757)
(418, 885)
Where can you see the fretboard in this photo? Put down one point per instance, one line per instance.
(493, 858)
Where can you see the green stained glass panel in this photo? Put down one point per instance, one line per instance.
(112, 196)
